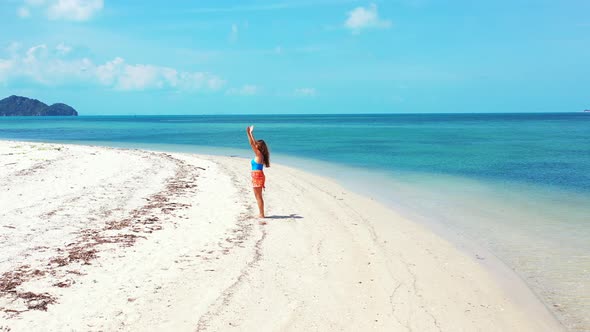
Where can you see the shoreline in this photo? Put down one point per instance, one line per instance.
(318, 238)
(552, 290)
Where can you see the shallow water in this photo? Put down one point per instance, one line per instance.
(541, 234)
(516, 184)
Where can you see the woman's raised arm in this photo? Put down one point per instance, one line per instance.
(252, 140)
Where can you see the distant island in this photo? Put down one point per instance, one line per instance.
(23, 106)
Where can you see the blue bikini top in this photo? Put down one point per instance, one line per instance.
(256, 166)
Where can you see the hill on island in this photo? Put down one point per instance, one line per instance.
(23, 106)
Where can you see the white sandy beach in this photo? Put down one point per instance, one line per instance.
(103, 239)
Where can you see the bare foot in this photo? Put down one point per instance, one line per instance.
(261, 221)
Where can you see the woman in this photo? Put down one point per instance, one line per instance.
(260, 160)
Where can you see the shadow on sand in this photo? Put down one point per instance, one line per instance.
(291, 216)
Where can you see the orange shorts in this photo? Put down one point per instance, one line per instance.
(258, 179)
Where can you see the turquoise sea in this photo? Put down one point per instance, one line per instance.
(515, 186)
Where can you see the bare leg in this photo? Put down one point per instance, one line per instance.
(260, 201)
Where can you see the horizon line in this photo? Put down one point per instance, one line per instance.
(289, 114)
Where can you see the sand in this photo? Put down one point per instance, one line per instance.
(103, 239)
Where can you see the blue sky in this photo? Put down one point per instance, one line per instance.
(287, 56)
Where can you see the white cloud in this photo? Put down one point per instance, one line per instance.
(123, 76)
(34, 53)
(194, 80)
(49, 68)
(246, 90)
(13, 48)
(35, 3)
(214, 82)
(23, 12)
(6, 67)
(71, 10)
(63, 49)
(141, 77)
(233, 35)
(108, 73)
(365, 18)
(285, 5)
(305, 92)
(74, 10)
(39, 65)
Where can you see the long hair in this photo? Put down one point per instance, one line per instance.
(261, 145)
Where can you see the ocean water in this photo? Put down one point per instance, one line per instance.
(517, 185)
